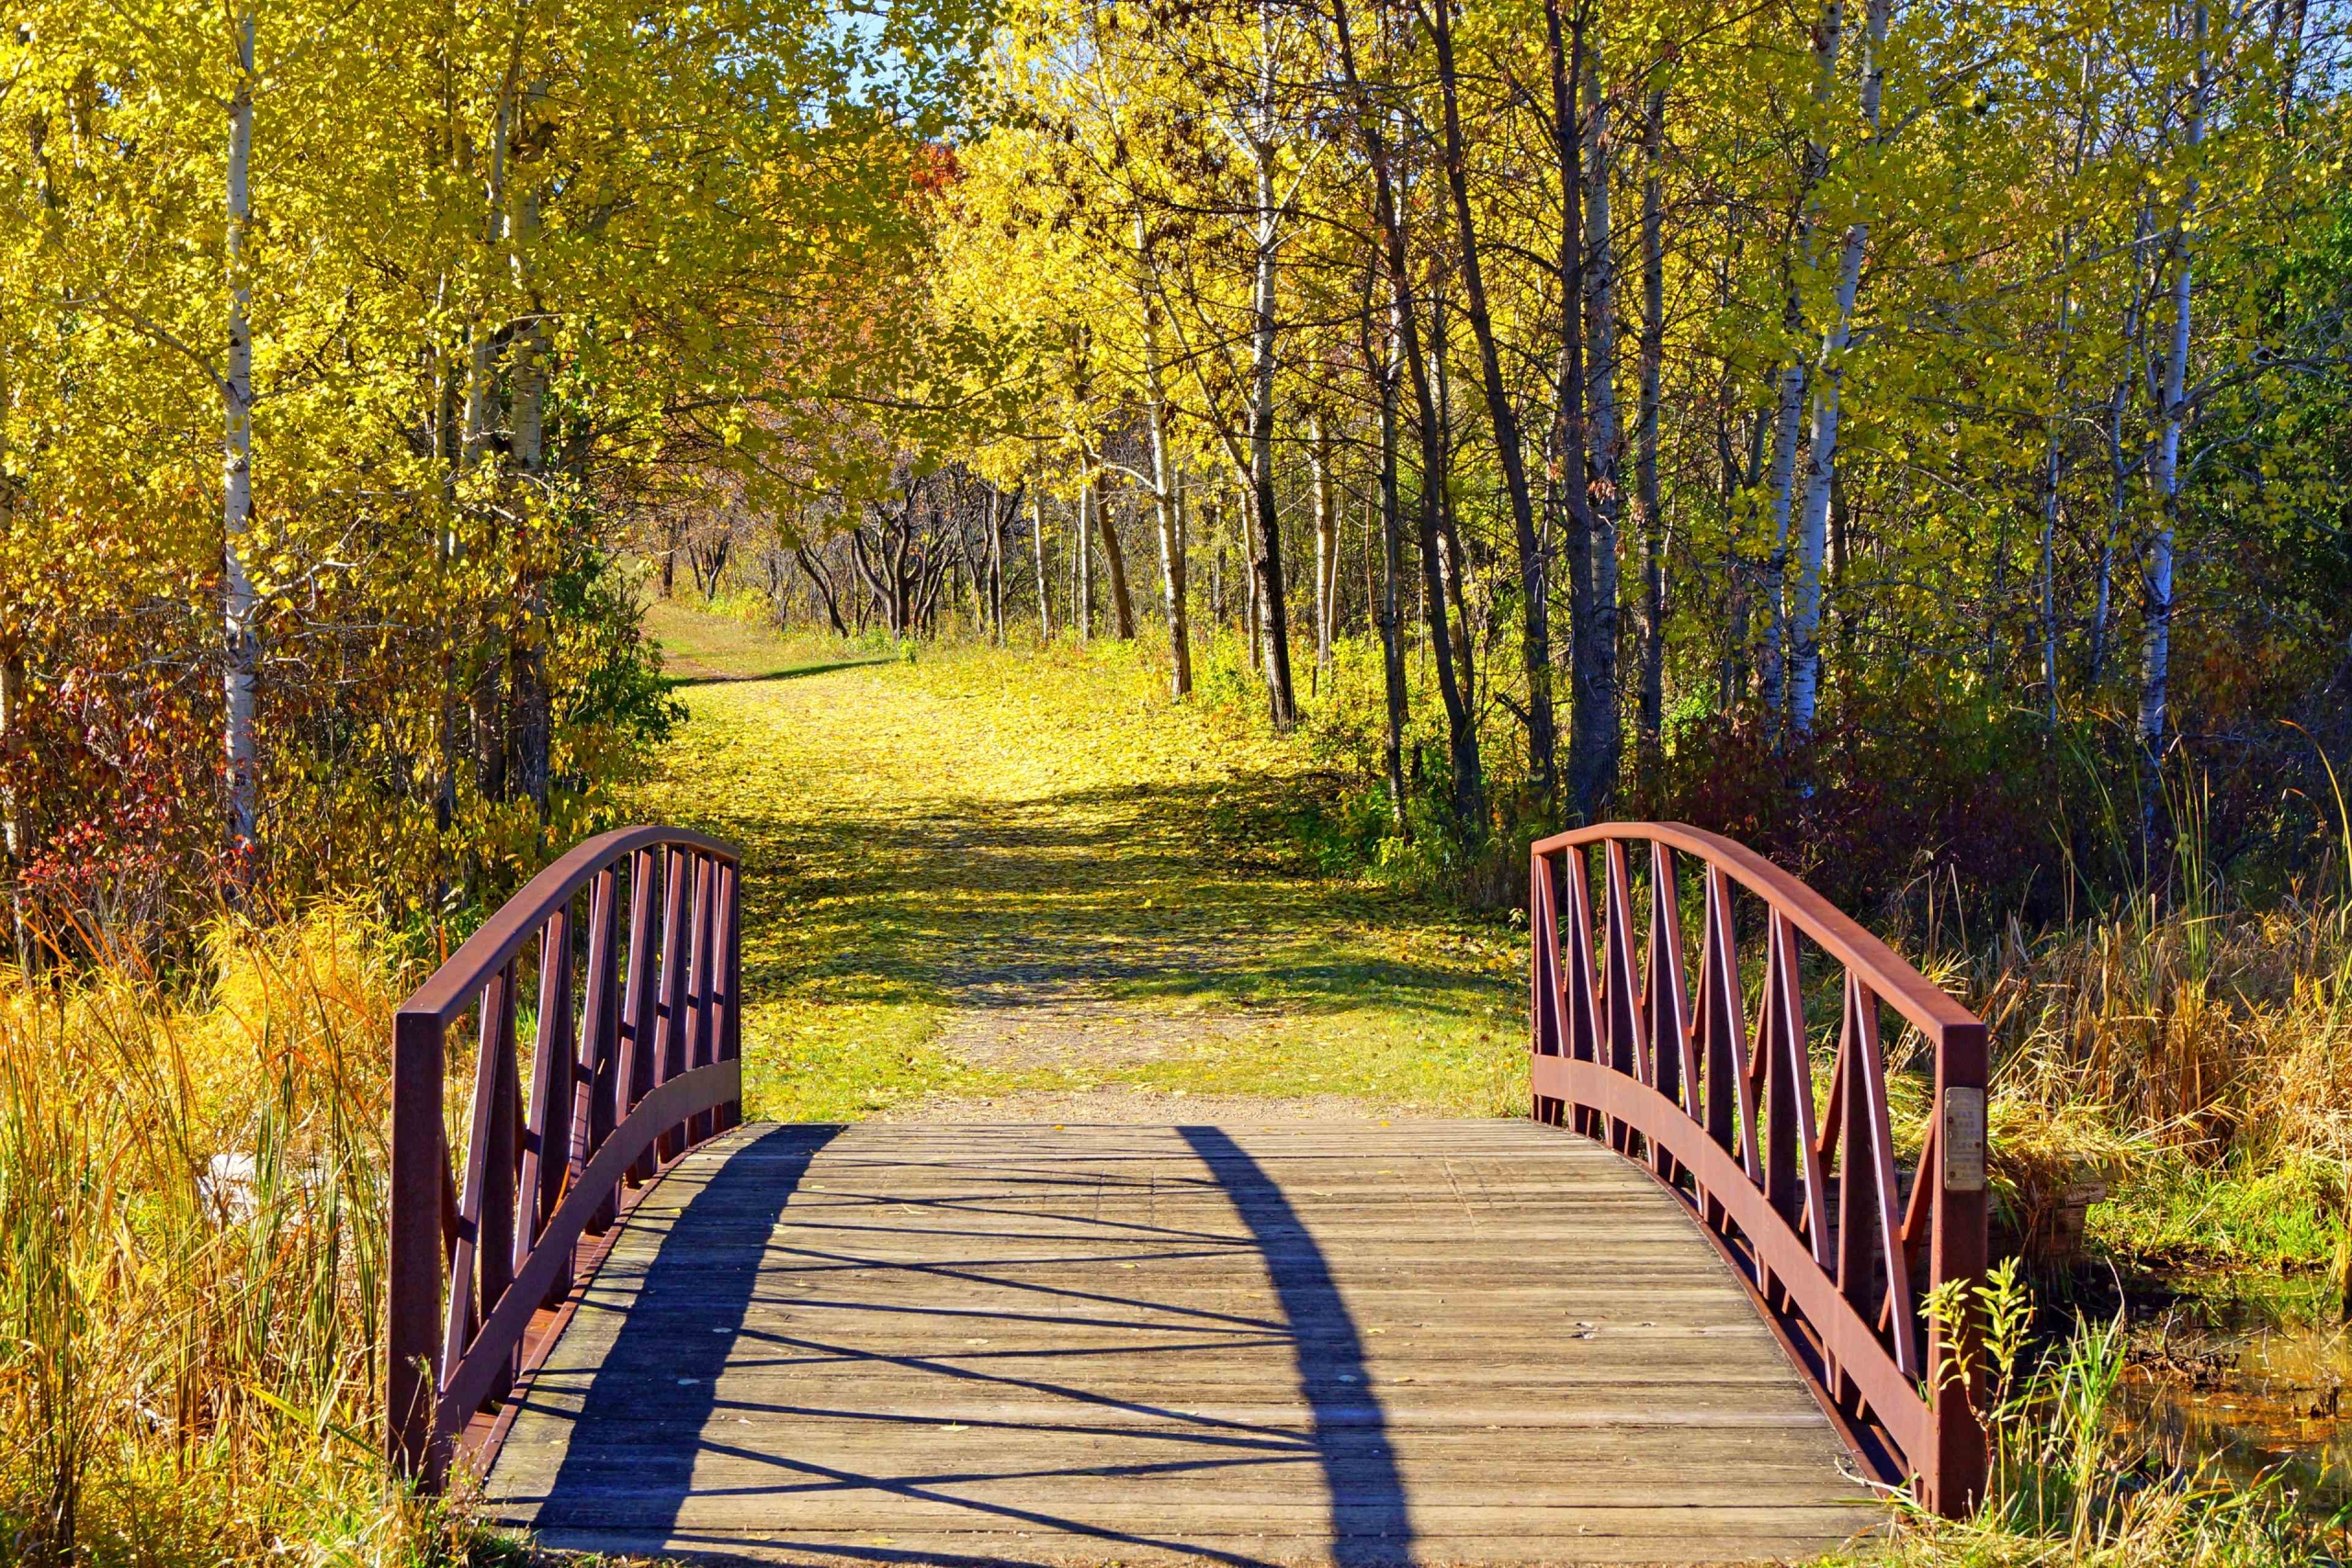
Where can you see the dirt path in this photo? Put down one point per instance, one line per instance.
(1009, 883)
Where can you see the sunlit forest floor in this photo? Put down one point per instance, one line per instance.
(1019, 886)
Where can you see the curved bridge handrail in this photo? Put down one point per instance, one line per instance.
(634, 1060)
(462, 974)
(1921, 1002)
(1725, 1114)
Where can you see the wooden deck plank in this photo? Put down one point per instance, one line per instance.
(1418, 1341)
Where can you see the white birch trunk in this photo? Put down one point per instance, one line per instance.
(1084, 560)
(239, 603)
(2120, 465)
(2155, 668)
(1164, 499)
(1790, 409)
(1044, 602)
(1828, 388)
(1326, 534)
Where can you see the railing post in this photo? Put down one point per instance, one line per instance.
(730, 971)
(414, 1263)
(1953, 1481)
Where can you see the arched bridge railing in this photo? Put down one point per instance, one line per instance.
(1659, 1057)
(635, 1036)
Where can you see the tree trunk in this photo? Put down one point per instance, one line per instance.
(1044, 600)
(1084, 560)
(1272, 607)
(2052, 477)
(1469, 785)
(823, 582)
(2155, 667)
(2119, 467)
(1168, 510)
(1247, 539)
(240, 607)
(1002, 510)
(1214, 521)
(1649, 745)
(527, 651)
(1534, 568)
(1327, 544)
(1592, 719)
(1597, 733)
(1392, 561)
(448, 546)
(1452, 564)
(1114, 561)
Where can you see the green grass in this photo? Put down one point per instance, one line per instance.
(974, 829)
(2246, 1244)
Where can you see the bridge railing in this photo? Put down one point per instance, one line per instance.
(629, 947)
(1713, 1090)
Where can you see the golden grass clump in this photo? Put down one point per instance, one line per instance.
(191, 1257)
(2183, 1043)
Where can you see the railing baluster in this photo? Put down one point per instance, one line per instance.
(547, 1133)
(702, 1035)
(1621, 1012)
(669, 1024)
(637, 1064)
(1666, 1004)
(1731, 1092)
(464, 1277)
(1544, 965)
(1580, 995)
(502, 1155)
(730, 949)
(1875, 1112)
(595, 1077)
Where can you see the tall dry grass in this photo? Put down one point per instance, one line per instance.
(2166, 1047)
(191, 1258)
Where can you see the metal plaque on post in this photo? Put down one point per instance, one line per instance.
(1963, 1140)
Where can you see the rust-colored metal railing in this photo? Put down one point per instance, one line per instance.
(634, 1060)
(1807, 1204)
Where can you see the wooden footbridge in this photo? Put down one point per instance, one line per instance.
(1680, 1314)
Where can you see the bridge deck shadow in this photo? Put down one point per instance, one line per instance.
(1309, 1342)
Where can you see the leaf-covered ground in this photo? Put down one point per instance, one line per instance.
(1019, 884)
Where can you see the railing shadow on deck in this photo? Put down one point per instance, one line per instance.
(692, 1306)
(681, 1326)
(1371, 1524)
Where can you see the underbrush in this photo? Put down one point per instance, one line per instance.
(2069, 1486)
(191, 1262)
(2196, 1063)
